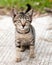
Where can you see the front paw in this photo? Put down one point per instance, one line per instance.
(22, 49)
(18, 59)
(32, 55)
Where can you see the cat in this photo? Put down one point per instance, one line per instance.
(25, 34)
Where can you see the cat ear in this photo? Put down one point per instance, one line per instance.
(30, 13)
(14, 12)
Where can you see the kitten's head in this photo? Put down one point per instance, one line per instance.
(22, 21)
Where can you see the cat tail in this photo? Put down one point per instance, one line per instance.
(29, 8)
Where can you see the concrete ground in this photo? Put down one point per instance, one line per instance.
(43, 52)
(43, 49)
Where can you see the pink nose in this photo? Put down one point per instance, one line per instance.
(23, 25)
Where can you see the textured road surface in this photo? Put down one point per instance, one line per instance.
(7, 52)
(43, 50)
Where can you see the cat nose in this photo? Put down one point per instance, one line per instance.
(23, 25)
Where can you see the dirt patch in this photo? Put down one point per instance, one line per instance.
(36, 14)
(4, 11)
(7, 11)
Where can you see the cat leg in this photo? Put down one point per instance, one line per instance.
(32, 50)
(22, 48)
(18, 51)
(18, 54)
(20, 45)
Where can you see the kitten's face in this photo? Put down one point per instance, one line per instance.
(22, 22)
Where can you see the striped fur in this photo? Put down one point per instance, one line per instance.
(25, 37)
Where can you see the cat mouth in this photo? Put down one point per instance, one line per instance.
(22, 31)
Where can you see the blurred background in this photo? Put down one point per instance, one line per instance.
(38, 5)
(42, 24)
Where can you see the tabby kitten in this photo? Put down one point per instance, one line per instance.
(24, 32)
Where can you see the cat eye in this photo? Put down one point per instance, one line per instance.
(28, 20)
(18, 21)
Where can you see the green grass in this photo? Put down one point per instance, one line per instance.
(38, 5)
